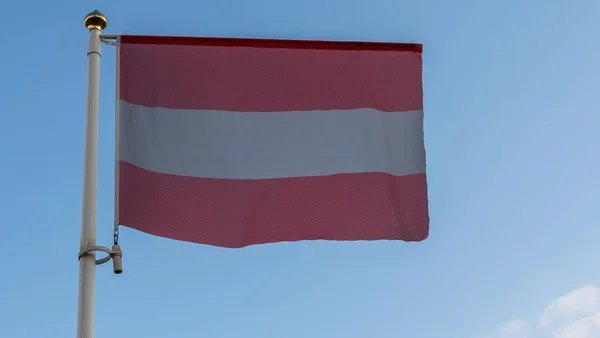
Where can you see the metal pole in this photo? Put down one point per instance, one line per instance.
(95, 22)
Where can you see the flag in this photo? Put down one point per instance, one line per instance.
(235, 142)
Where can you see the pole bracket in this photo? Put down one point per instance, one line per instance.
(115, 254)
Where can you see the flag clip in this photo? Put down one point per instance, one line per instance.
(115, 254)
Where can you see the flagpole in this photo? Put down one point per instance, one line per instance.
(95, 22)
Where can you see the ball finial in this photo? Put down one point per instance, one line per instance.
(95, 20)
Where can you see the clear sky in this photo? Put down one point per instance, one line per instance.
(512, 127)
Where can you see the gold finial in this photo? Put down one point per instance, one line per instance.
(95, 20)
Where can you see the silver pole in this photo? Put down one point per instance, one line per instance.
(95, 22)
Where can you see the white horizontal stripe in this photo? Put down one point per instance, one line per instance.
(255, 145)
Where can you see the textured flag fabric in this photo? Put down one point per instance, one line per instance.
(234, 142)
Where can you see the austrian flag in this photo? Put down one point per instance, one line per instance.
(235, 142)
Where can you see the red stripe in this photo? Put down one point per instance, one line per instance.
(237, 213)
(209, 76)
(271, 43)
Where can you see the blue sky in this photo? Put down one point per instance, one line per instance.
(512, 131)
